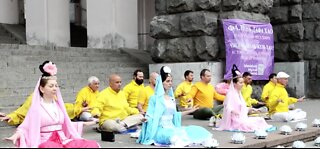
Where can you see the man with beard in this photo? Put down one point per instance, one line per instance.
(246, 92)
(183, 89)
(133, 89)
(147, 92)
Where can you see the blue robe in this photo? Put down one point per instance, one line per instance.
(153, 133)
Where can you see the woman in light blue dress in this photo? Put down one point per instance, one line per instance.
(163, 122)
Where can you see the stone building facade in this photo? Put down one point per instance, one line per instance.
(190, 30)
(172, 30)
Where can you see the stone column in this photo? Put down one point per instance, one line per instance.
(112, 24)
(9, 12)
(47, 22)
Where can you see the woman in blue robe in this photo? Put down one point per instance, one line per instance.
(163, 122)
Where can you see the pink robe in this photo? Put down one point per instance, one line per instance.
(235, 114)
(44, 128)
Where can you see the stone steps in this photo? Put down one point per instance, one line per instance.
(19, 69)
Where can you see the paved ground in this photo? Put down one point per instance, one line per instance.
(224, 138)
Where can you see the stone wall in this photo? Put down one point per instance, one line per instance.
(296, 25)
(190, 31)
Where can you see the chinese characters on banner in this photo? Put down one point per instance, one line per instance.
(250, 46)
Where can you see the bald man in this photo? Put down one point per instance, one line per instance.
(146, 93)
(116, 114)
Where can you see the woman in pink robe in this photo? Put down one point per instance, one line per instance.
(235, 112)
(47, 123)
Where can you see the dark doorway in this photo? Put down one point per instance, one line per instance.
(78, 35)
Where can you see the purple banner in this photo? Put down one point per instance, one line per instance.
(250, 46)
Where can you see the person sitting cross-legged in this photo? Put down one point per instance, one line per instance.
(279, 102)
(84, 106)
(203, 95)
(163, 122)
(116, 114)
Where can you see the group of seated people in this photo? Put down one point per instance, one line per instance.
(153, 106)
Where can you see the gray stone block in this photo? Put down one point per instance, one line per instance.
(178, 6)
(281, 52)
(276, 29)
(210, 5)
(199, 23)
(228, 5)
(296, 51)
(166, 26)
(180, 50)
(161, 7)
(317, 31)
(314, 85)
(313, 69)
(245, 16)
(312, 50)
(159, 49)
(206, 47)
(291, 32)
(318, 69)
(311, 12)
(308, 1)
(309, 30)
(276, 3)
(295, 13)
(290, 2)
(256, 6)
(279, 15)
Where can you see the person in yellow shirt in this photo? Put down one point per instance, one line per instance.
(84, 105)
(203, 95)
(146, 93)
(246, 91)
(16, 118)
(116, 114)
(269, 87)
(279, 102)
(183, 89)
(133, 89)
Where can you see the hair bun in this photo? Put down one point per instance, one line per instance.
(235, 71)
(164, 71)
(48, 68)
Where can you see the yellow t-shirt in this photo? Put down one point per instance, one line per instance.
(146, 93)
(113, 105)
(267, 90)
(18, 115)
(183, 88)
(132, 91)
(279, 92)
(204, 94)
(246, 92)
(86, 94)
